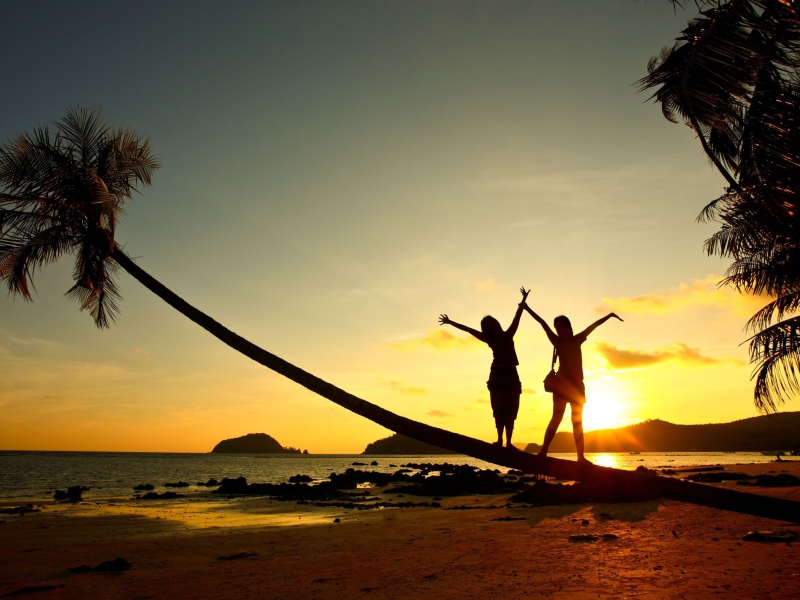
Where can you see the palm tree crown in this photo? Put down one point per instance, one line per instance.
(733, 76)
(63, 192)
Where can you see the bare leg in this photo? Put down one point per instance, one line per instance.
(499, 425)
(577, 429)
(509, 433)
(559, 406)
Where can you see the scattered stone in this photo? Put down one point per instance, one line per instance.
(144, 487)
(604, 517)
(718, 477)
(114, 566)
(19, 510)
(359, 464)
(782, 480)
(211, 483)
(300, 479)
(585, 522)
(337, 520)
(157, 496)
(609, 537)
(510, 519)
(785, 535)
(374, 463)
(583, 539)
(177, 484)
(73, 493)
(238, 556)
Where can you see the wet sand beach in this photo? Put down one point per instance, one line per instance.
(655, 549)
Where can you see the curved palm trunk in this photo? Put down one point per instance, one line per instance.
(529, 463)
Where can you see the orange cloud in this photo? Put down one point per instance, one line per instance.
(620, 359)
(701, 292)
(407, 389)
(439, 339)
(440, 414)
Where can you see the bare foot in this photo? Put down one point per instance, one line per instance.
(542, 453)
(498, 443)
(583, 461)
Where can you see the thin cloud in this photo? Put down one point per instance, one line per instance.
(701, 292)
(439, 339)
(440, 414)
(407, 389)
(620, 359)
(531, 391)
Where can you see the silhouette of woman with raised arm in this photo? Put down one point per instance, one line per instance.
(572, 391)
(504, 384)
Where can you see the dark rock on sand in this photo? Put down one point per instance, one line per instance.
(782, 480)
(73, 494)
(19, 510)
(300, 479)
(157, 496)
(359, 464)
(114, 566)
(238, 556)
(177, 484)
(583, 539)
(770, 536)
(718, 477)
(144, 487)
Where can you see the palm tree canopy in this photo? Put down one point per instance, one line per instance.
(63, 190)
(734, 77)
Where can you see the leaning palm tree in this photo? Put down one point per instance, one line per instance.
(61, 192)
(733, 77)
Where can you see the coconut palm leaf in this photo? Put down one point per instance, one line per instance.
(776, 353)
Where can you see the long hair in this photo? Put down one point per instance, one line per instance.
(565, 321)
(490, 325)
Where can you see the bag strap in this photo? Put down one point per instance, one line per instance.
(555, 354)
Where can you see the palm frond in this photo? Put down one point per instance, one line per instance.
(776, 353)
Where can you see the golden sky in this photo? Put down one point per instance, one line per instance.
(338, 174)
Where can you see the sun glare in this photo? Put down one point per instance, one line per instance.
(606, 406)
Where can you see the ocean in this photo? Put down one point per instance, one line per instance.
(35, 476)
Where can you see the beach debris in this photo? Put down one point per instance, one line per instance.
(157, 496)
(785, 535)
(72, 494)
(249, 554)
(609, 537)
(582, 539)
(300, 479)
(34, 589)
(675, 534)
(19, 510)
(144, 487)
(718, 477)
(782, 480)
(177, 484)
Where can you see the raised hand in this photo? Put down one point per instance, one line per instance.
(444, 320)
(616, 316)
(524, 293)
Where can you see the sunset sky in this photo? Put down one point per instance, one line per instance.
(336, 175)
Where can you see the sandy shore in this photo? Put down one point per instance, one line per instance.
(663, 549)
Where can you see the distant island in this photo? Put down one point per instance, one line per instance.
(757, 434)
(254, 443)
(400, 444)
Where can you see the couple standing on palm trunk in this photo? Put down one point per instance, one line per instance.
(505, 387)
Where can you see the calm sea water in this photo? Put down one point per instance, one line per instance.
(35, 475)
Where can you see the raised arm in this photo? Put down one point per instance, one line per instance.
(512, 329)
(597, 324)
(445, 320)
(550, 333)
